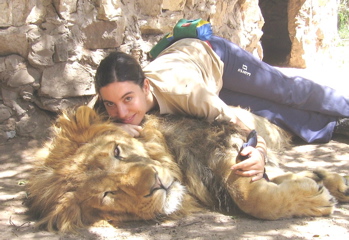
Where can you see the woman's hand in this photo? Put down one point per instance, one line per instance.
(133, 130)
(253, 165)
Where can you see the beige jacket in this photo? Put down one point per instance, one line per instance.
(186, 79)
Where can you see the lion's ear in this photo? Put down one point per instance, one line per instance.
(82, 118)
(71, 125)
(85, 117)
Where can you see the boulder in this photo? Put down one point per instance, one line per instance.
(66, 80)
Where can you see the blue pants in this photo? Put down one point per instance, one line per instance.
(303, 107)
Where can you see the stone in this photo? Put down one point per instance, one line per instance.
(9, 65)
(37, 13)
(57, 105)
(17, 73)
(254, 21)
(65, 7)
(159, 26)
(149, 8)
(35, 125)
(26, 126)
(41, 52)
(14, 41)
(14, 62)
(2, 64)
(7, 129)
(66, 80)
(109, 10)
(61, 52)
(10, 134)
(20, 77)
(104, 34)
(27, 93)
(9, 96)
(5, 14)
(5, 113)
(173, 5)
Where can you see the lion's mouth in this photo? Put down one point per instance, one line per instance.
(173, 195)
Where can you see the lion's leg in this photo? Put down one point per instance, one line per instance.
(294, 196)
(337, 185)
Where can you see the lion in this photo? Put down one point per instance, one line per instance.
(94, 171)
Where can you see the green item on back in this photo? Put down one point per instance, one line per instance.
(184, 28)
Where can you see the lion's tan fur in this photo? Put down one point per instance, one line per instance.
(93, 171)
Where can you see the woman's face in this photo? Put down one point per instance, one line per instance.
(125, 102)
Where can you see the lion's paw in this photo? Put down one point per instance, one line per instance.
(295, 196)
(337, 185)
(321, 202)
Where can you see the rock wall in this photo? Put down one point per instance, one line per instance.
(297, 33)
(50, 49)
(312, 28)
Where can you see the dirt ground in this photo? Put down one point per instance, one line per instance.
(16, 160)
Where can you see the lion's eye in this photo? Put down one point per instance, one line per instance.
(117, 152)
(108, 193)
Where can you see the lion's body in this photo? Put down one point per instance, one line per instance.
(94, 171)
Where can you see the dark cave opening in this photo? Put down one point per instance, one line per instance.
(275, 41)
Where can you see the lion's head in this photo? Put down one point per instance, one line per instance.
(95, 171)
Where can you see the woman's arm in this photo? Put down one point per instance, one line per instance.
(254, 165)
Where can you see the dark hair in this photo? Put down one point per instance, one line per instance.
(118, 67)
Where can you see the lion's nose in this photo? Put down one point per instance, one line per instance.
(144, 180)
(157, 186)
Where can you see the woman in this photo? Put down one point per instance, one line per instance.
(128, 94)
(187, 77)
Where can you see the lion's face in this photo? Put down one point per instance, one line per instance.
(111, 176)
(122, 181)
